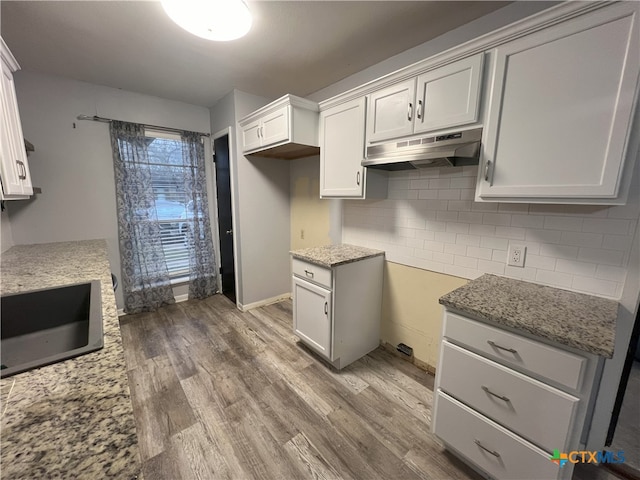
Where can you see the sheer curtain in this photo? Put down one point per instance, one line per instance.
(202, 265)
(145, 279)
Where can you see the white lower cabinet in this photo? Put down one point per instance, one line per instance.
(336, 311)
(500, 406)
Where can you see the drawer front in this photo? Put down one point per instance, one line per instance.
(536, 411)
(555, 364)
(313, 273)
(490, 447)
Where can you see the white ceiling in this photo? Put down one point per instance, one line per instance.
(293, 47)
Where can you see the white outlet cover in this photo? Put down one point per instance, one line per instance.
(516, 255)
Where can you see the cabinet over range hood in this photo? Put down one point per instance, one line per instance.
(452, 149)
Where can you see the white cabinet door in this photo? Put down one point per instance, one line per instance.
(391, 111)
(251, 136)
(275, 127)
(14, 167)
(561, 108)
(342, 150)
(312, 315)
(449, 96)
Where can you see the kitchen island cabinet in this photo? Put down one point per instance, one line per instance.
(519, 368)
(337, 298)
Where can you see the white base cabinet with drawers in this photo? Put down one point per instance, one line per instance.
(336, 311)
(505, 402)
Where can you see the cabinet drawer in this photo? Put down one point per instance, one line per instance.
(560, 366)
(313, 273)
(491, 447)
(538, 412)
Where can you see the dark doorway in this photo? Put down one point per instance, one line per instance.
(225, 229)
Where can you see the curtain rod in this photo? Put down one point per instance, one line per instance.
(96, 118)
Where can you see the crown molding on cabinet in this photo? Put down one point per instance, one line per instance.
(277, 104)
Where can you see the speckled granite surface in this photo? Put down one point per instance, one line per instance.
(581, 321)
(334, 255)
(73, 419)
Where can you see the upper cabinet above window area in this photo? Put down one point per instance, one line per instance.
(286, 128)
(448, 96)
(14, 167)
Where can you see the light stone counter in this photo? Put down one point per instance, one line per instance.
(581, 321)
(334, 255)
(72, 419)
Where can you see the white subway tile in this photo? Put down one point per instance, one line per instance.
(513, 207)
(400, 184)
(564, 210)
(559, 251)
(609, 272)
(484, 207)
(527, 273)
(467, 194)
(499, 256)
(617, 242)
(484, 230)
(599, 255)
(445, 237)
(543, 236)
(414, 242)
(511, 232)
(406, 232)
(436, 226)
(447, 216)
(594, 286)
(440, 183)
(537, 261)
(527, 221)
(503, 219)
(606, 225)
(454, 249)
(427, 194)
(556, 279)
(463, 182)
(443, 257)
(412, 194)
(479, 252)
(533, 248)
(459, 205)
(487, 266)
(433, 246)
(449, 194)
(454, 227)
(462, 272)
(418, 184)
(426, 254)
(573, 224)
(470, 217)
(494, 243)
(451, 171)
(425, 234)
(575, 268)
(629, 211)
(470, 171)
(416, 223)
(592, 240)
(466, 262)
(464, 239)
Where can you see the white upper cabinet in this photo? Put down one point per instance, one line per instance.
(560, 111)
(341, 154)
(14, 167)
(448, 96)
(286, 128)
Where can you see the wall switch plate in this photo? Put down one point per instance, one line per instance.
(516, 255)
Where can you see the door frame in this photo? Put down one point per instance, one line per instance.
(230, 131)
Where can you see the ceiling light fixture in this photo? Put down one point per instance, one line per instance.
(219, 20)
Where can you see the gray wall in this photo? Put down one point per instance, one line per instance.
(73, 166)
(6, 236)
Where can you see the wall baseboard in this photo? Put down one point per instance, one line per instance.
(430, 369)
(262, 303)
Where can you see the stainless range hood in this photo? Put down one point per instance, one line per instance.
(448, 150)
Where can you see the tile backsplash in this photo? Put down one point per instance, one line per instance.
(429, 220)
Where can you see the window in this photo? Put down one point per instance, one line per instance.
(174, 211)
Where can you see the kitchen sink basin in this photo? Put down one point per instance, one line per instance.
(50, 325)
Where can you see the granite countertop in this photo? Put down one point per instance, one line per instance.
(334, 255)
(584, 322)
(72, 419)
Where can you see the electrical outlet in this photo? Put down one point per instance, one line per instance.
(516, 255)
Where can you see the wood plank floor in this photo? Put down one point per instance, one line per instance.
(221, 394)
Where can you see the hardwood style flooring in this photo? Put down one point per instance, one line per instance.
(221, 394)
